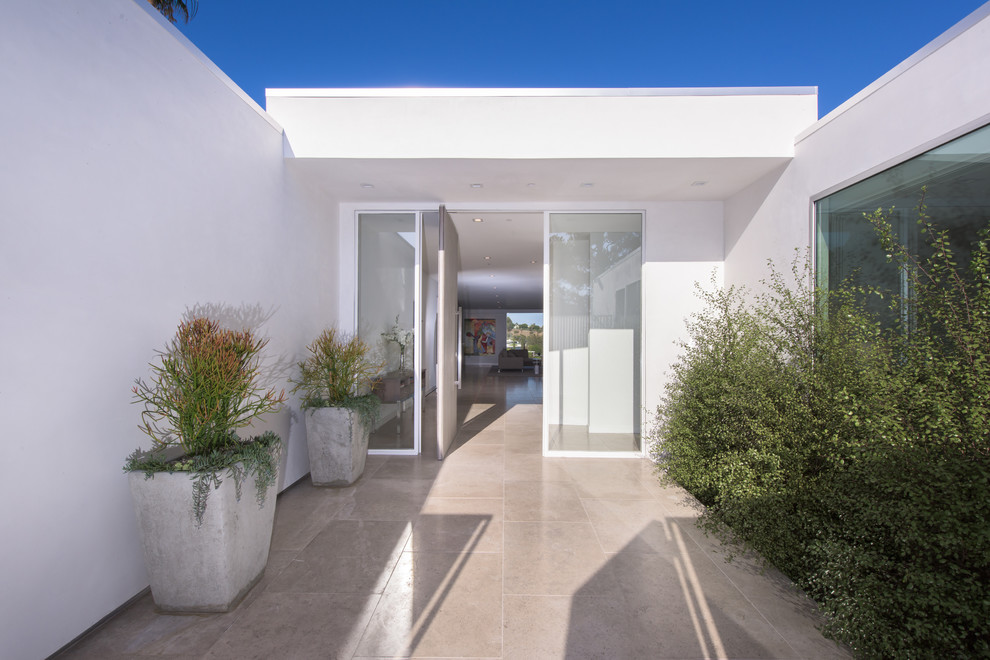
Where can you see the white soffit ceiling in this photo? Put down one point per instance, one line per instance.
(451, 181)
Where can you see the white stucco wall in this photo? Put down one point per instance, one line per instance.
(682, 244)
(453, 123)
(136, 181)
(937, 94)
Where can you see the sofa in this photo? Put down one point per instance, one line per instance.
(514, 358)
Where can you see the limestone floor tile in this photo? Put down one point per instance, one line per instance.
(475, 483)
(409, 467)
(679, 610)
(630, 525)
(437, 551)
(485, 436)
(779, 602)
(523, 446)
(555, 559)
(536, 500)
(608, 479)
(471, 473)
(386, 499)
(475, 455)
(549, 627)
(302, 511)
(524, 429)
(439, 605)
(533, 467)
(485, 422)
(299, 626)
(529, 437)
(373, 463)
(453, 524)
(348, 556)
(141, 630)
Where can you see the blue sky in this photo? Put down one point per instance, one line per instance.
(840, 46)
(526, 317)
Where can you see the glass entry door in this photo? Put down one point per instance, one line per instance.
(592, 304)
(448, 334)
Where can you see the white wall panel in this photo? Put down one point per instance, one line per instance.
(611, 379)
(136, 181)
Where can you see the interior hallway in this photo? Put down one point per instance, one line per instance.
(496, 552)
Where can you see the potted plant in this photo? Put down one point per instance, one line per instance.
(204, 544)
(335, 381)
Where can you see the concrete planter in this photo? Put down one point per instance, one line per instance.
(338, 446)
(208, 568)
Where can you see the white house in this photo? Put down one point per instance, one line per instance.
(138, 180)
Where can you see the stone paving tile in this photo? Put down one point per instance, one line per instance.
(496, 552)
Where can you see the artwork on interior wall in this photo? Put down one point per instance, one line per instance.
(479, 336)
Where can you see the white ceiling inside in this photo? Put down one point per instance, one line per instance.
(501, 260)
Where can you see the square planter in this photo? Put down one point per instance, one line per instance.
(209, 568)
(338, 446)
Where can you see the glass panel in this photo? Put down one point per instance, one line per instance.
(386, 311)
(956, 182)
(592, 335)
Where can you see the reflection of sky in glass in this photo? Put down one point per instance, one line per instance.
(527, 318)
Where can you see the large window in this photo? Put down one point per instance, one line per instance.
(953, 181)
(592, 357)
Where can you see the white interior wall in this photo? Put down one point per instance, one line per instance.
(934, 96)
(137, 181)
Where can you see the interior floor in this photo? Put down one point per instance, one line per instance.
(495, 552)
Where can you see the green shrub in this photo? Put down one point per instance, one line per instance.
(854, 457)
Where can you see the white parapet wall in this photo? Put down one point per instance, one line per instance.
(544, 124)
(137, 181)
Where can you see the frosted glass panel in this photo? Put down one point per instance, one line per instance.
(592, 333)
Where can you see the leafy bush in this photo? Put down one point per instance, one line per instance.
(204, 389)
(338, 372)
(854, 457)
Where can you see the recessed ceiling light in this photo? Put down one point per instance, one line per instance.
(587, 185)
(698, 183)
(532, 261)
(477, 185)
(491, 276)
(479, 219)
(488, 258)
(367, 185)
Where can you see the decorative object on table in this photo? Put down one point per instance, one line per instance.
(401, 337)
(204, 544)
(336, 380)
